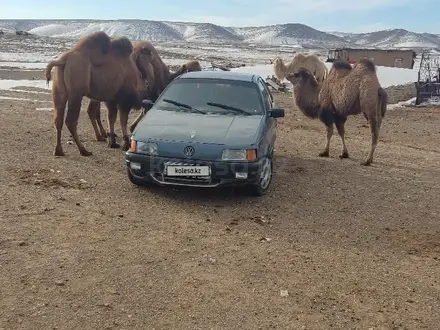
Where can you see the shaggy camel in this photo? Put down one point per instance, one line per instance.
(308, 61)
(95, 46)
(162, 75)
(187, 67)
(154, 70)
(115, 81)
(192, 65)
(346, 91)
(142, 57)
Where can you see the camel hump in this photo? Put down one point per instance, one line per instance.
(122, 46)
(341, 65)
(95, 41)
(367, 64)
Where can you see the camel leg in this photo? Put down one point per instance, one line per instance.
(99, 122)
(60, 108)
(92, 111)
(74, 107)
(326, 151)
(112, 114)
(327, 116)
(123, 118)
(340, 126)
(59, 99)
(374, 129)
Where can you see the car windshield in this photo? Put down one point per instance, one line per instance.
(237, 98)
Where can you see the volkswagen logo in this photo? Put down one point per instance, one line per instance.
(188, 151)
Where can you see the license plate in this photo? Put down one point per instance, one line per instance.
(187, 170)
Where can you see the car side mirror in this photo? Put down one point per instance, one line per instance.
(147, 104)
(276, 113)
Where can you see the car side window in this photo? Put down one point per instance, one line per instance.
(266, 97)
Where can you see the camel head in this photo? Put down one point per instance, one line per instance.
(302, 77)
(143, 56)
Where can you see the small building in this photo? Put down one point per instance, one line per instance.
(395, 58)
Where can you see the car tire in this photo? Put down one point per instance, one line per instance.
(262, 186)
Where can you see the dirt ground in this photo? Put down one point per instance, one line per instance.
(333, 245)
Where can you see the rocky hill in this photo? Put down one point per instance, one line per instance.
(287, 34)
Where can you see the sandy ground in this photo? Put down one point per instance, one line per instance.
(333, 245)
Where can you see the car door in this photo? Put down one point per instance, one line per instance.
(270, 123)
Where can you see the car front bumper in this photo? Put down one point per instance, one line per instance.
(222, 173)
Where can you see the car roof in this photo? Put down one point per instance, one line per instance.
(228, 75)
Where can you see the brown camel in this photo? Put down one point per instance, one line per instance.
(142, 58)
(162, 76)
(154, 71)
(192, 65)
(346, 91)
(115, 81)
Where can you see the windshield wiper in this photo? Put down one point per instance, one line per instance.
(228, 107)
(183, 105)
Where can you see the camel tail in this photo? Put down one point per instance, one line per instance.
(383, 101)
(50, 65)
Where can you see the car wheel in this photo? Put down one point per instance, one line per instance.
(260, 188)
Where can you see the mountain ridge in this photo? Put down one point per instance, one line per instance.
(290, 34)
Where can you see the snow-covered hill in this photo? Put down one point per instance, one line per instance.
(289, 34)
(281, 34)
(396, 38)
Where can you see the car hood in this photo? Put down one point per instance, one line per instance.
(209, 128)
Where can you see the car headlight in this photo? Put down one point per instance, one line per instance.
(239, 154)
(149, 148)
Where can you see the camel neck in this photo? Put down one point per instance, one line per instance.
(307, 101)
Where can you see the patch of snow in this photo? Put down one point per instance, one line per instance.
(189, 32)
(432, 102)
(7, 84)
(414, 44)
(23, 65)
(409, 103)
(25, 57)
(19, 99)
(56, 29)
(31, 92)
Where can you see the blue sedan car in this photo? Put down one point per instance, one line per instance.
(207, 129)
